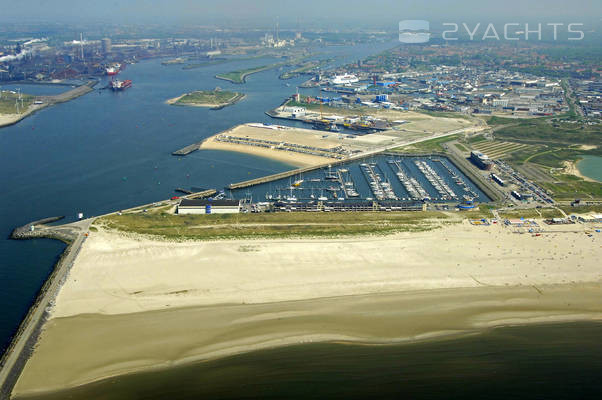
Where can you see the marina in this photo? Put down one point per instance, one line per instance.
(384, 179)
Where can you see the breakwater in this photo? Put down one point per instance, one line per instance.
(47, 101)
(23, 342)
(184, 151)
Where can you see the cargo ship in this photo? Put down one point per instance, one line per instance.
(117, 85)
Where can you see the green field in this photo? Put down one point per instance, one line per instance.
(556, 141)
(273, 225)
(8, 99)
(569, 187)
(545, 131)
(212, 97)
(239, 76)
(531, 213)
(428, 146)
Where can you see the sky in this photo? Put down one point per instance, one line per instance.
(375, 13)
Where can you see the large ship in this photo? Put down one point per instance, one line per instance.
(113, 69)
(120, 85)
(344, 79)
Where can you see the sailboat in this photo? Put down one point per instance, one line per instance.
(322, 197)
(298, 182)
(291, 197)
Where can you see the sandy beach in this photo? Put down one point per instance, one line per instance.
(288, 157)
(11, 119)
(570, 168)
(298, 136)
(133, 302)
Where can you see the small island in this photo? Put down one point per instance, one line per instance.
(214, 99)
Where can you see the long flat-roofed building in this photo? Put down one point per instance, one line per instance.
(481, 160)
(204, 206)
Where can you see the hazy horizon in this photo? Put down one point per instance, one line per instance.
(377, 14)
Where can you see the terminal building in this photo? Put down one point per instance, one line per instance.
(205, 206)
(481, 160)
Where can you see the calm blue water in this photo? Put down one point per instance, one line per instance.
(107, 151)
(591, 166)
(315, 184)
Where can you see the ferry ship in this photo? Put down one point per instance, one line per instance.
(117, 85)
(344, 79)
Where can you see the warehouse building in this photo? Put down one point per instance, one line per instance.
(205, 206)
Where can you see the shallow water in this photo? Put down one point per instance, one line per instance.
(561, 361)
(591, 166)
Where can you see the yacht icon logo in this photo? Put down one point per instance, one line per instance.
(414, 31)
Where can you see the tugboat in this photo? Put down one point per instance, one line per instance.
(117, 85)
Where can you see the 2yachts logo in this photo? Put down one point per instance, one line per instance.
(418, 31)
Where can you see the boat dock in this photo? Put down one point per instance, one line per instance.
(410, 184)
(285, 174)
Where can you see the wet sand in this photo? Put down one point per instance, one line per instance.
(133, 303)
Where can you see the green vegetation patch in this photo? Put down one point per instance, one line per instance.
(531, 213)
(209, 97)
(569, 187)
(582, 209)
(8, 101)
(239, 76)
(428, 146)
(272, 225)
(546, 131)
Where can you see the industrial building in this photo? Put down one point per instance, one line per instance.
(106, 45)
(481, 160)
(207, 206)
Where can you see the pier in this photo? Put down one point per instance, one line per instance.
(285, 174)
(188, 149)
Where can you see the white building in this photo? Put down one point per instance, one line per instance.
(204, 206)
(298, 111)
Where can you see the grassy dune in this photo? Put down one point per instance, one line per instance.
(214, 97)
(274, 225)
